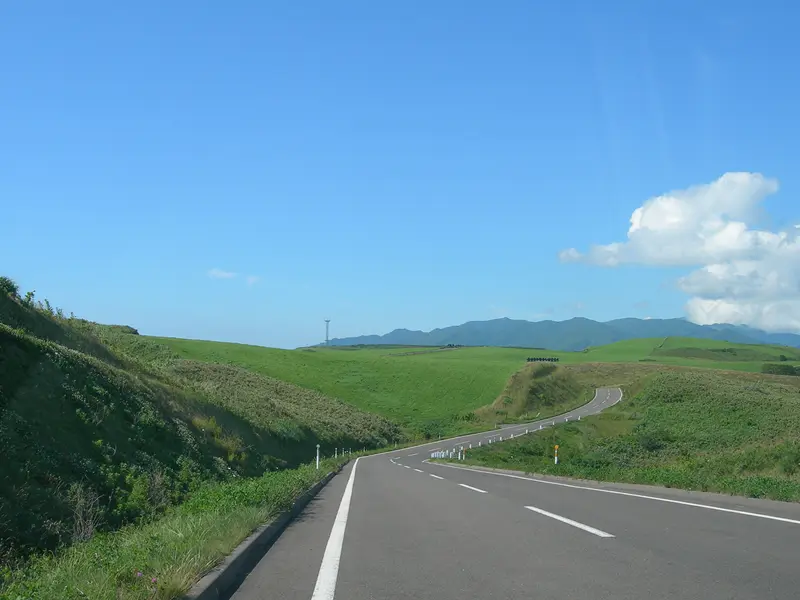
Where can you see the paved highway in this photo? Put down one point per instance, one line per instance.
(393, 526)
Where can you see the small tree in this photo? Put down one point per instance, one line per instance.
(9, 286)
(783, 358)
(28, 299)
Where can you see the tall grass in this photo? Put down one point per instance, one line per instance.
(726, 432)
(97, 434)
(163, 558)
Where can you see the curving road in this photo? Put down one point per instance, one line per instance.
(394, 526)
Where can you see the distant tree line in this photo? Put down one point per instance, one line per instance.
(539, 359)
(780, 369)
(453, 346)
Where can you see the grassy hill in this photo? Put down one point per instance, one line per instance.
(439, 392)
(729, 432)
(100, 427)
(428, 393)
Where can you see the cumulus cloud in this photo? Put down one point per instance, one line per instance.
(742, 275)
(220, 274)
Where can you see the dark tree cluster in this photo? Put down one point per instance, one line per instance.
(540, 359)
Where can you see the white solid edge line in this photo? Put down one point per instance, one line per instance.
(419, 470)
(597, 532)
(631, 494)
(469, 487)
(435, 476)
(329, 569)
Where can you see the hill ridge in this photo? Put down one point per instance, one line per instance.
(574, 334)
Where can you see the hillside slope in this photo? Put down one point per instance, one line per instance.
(95, 432)
(429, 393)
(681, 427)
(570, 335)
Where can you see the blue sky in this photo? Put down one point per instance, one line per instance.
(384, 165)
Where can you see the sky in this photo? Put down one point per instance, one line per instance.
(242, 171)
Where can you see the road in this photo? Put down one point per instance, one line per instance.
(394, 526)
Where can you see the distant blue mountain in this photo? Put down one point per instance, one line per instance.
(570, 335)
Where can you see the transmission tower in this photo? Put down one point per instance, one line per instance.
(327, 329)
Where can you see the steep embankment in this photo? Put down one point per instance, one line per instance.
(689, 428)
(538, 390)
(97, 432)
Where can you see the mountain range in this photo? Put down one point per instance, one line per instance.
(570, 335)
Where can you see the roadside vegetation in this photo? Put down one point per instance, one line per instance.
(537, 391)
(161, 559)
(133, 463)
(103, 430)
(693, 429)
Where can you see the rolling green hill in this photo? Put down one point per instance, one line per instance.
(679, 427)
(100, 427)
(429, 393)
(438, 392)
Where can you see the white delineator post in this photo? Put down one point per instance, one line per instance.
(335, 453)
(317, 456)
(556, 456)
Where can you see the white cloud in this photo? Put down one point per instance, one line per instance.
(745, 275)
(220, 274)
(253, 279)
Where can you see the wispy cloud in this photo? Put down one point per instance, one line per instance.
(220, 274)
(253, 279)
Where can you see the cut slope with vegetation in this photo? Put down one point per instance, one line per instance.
(538, 391)
(100, 427)
(703, 430)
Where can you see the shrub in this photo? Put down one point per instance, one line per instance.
(9, 286)
(779, 369)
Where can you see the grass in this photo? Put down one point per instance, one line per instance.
(101, 428)
(125, 452)
(727, 432)
(162, 559)
(538, 391)
(430, 394)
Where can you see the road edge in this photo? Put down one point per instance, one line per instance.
(224, 579)
(635, 488)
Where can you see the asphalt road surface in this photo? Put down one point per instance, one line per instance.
(394, 526)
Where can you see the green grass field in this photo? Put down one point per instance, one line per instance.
(707, 354)
(101, 428)
(438, 393)
(728, 432)
(433, 393)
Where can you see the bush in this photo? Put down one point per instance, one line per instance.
(779, 369)
(9, 286)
